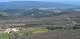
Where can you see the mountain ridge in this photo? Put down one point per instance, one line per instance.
(32, 4)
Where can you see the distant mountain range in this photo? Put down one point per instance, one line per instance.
(33, 8)
(33, 4)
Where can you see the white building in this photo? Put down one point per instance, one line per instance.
(11, 29)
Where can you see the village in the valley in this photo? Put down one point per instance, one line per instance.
(9, 27)
(15, 28)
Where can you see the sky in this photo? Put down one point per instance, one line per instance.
(43, 0)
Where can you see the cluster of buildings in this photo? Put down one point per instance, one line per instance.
(9, 27)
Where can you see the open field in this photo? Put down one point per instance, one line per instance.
(59, 34)
(4, 36)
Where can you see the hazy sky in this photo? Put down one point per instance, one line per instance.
(44, 0)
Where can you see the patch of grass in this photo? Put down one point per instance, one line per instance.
(39, 30)
(4, 36)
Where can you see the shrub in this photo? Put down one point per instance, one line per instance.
(76, 27)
